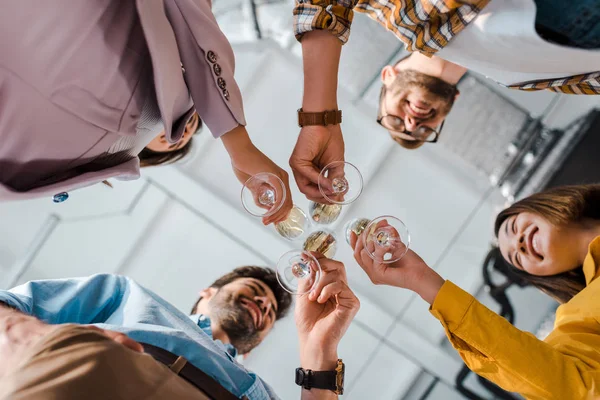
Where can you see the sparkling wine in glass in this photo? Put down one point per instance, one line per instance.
(324, 214)
(356, 225)
(295, 226)
(322, 241)
(386, 239)
(298, 272)
(263, 195)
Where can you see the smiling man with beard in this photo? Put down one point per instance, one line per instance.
(107, 337)
(240, 308)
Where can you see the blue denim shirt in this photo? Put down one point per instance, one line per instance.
(118, 303)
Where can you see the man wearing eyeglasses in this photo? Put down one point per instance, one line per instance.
(521, 44)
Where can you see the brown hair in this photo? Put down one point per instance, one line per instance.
(149, 158)
(266, 275)
(559, 206)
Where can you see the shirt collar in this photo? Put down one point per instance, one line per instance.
(592, 261)
(204, 323)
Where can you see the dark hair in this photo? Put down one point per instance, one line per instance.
(149, 158)
(266, 275)
(559, 206)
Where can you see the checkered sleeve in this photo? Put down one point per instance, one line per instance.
(332, 15)
(578, 84)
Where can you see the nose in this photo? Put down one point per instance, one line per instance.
(411, 123)
(264, 303)
(520, 242)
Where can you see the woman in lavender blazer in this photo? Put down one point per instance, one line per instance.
(85, 86)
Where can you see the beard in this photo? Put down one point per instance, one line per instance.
(436, 87)
(235, 321)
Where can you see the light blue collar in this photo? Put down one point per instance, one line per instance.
(204, 323)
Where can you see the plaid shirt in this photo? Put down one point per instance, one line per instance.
(423, 25)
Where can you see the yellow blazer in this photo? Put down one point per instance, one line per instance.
(565, 366)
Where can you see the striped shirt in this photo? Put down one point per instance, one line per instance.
(426, 26)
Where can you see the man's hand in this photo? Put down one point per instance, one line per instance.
(19, 331)
(323, 316)
(118, 337)
(247, 160)
(410, 272)
(316, 147)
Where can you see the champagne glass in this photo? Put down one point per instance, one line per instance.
(298, 272)
(295, 226)
(356, 225)
(340, 183)
(263, 195)
(324, 214)
(386, 238)
(322, 241)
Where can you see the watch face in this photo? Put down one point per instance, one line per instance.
(339, 378)
(299, 376)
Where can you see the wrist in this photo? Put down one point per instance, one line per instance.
(237, 141)
(429, 285)
(318, 359)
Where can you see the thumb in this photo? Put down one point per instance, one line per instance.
(309, 171)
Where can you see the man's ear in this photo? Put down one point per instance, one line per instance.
(207, 293)
(456, 95)
(388, 74)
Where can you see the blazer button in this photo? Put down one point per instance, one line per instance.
(60, 197)
(212, 57)
(217, 69)
(226, 94)
(182, 69)
(221, 83)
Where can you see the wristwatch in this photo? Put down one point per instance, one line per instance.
(323, 118)
(328, 380)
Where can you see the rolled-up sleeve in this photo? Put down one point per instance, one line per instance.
(331, 15)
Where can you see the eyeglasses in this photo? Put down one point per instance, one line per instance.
(396, 124)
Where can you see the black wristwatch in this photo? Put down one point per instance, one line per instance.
(328, 380)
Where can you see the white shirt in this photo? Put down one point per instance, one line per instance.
(502, 44)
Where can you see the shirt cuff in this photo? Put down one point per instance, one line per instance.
(451, 305)
(334, 17)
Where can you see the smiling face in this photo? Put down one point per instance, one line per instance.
(532, 244)
(246, 310)
(414, 100)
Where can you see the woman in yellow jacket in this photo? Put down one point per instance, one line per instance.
(552, 239)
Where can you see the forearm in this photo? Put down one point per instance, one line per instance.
(236, 141)
(17, 332)
(318, 394)
(428, 285)
(318, 359)
(321, 57)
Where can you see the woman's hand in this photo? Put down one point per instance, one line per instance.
(247, 160)
(410, 272)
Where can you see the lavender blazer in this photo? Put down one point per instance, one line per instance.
(73, 76)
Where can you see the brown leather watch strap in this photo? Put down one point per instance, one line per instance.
(323, 118)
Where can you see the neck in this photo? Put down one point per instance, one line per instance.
(590, 230)
(217, 333)
(434, 66)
